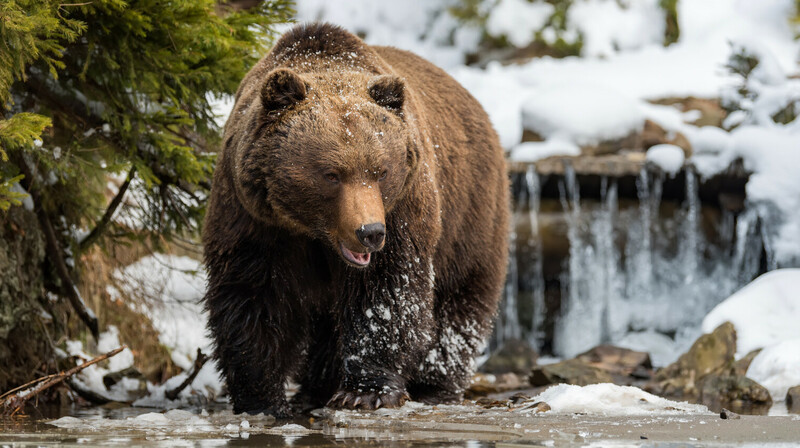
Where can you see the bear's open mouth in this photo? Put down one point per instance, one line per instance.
(356, 258)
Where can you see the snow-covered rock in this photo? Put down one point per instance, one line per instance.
(765, 312)
(777, 368)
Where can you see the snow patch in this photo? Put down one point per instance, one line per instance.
(765, 312)
(612, 400)
(777, 368)
(518, 20)
(667, 157)
(533, 151)
(581, 113)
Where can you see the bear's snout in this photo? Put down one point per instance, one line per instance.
(371, 235)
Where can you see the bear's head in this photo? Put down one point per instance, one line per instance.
(327, 156)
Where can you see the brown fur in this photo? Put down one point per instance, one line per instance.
(328, 135)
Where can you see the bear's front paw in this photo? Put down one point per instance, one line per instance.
(368, 400)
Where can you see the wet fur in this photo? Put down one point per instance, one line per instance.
(281, 301)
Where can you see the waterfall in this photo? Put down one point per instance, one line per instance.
(630, 268)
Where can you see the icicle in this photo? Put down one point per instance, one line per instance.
(691, 229)
(639, 250)
(535, 275)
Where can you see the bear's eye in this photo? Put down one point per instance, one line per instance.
(332, 177)
(383, 175)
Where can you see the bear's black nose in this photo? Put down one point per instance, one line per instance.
(371, 235)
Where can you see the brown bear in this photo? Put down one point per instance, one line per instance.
(356, 235)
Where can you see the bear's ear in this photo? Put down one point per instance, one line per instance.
(388, 91)
(282, 88)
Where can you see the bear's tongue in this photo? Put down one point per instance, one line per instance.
(356, 257)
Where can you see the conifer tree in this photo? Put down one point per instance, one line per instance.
(116, 89)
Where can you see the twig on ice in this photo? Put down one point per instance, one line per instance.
(199, 361)
(14, 403)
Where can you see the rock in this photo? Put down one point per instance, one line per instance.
(514, 356)
(710, 111)
(729, 388)
(489, 403)
(612, 165)
(621, 363)
(710, 352)
(729, 415)
(572, 371)
(611, 146)
(537, 407)
(741, 366)
(653, 134)
(793, 399)
(485, 384)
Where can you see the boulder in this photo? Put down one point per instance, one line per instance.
(514, 356)
(727, 389)
(709, 353)
(572, 371)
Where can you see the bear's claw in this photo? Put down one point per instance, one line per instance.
(368, 401)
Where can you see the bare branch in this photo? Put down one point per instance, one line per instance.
(13, 404)
(199, 361)
(102, 225)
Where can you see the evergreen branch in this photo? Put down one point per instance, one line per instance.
(102, 225)
(56, 255)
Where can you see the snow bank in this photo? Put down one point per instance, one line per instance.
(777, 368)
(582, 113)
(170, 288)
(765, 312)
(612, 400)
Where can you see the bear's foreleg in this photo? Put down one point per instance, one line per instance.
(388, 323)
(256, 345)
